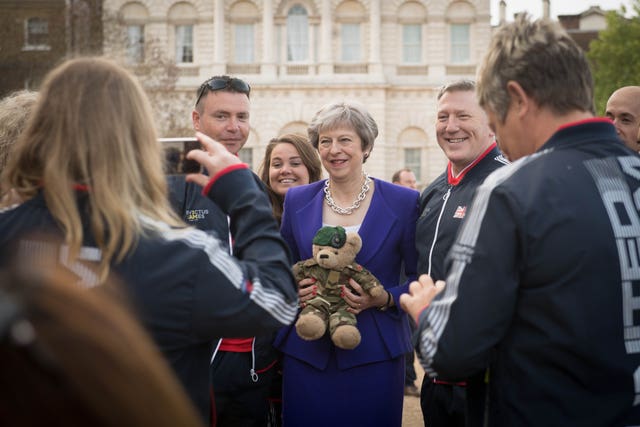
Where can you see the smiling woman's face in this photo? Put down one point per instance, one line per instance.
(341, 153)
(286, 169)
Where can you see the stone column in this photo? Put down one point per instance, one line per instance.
(219, 63)
(375, 67)
(326, 50)
(268, 67)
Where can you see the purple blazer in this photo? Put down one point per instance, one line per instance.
(388, 241)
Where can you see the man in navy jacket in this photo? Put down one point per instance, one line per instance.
(463, 133)
(242, 369)
(542, 281)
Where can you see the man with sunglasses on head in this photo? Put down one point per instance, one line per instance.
(221, 112)
(242, 369)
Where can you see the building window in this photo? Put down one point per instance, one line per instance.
(412, 161)
(244, 44)
(243, 50)
(135, 44)
(134, 15)
(184, 43)
(36, 34)
(460, 44)
(411, 43)
(246, 156)
(350, 36)
(182, 16)
(297, 34)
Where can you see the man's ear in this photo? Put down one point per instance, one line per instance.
(195, 118)
(519, 100)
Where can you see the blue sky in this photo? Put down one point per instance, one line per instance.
(558, 7)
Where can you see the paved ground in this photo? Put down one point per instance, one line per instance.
(412, 414)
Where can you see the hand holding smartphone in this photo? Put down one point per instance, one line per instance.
(175, 153)
(213, 156)
(205, 153)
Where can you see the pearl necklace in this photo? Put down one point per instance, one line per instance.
(356, 204)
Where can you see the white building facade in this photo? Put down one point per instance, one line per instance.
(297, 55)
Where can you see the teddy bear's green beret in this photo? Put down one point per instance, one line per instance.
(335, 237)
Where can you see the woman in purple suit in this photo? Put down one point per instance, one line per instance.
(325, 385)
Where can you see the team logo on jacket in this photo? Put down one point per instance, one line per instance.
(460, 212)
(193, 215)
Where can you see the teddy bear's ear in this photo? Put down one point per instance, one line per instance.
(355, 241)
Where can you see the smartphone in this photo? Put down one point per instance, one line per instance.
(175, 154)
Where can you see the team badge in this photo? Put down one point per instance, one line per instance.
(460, 212)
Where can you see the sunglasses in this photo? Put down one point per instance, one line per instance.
(219, 83)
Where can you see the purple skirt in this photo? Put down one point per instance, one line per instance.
(368, 395)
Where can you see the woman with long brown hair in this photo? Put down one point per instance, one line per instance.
(289, 161)
(73, 357)
(89, 170)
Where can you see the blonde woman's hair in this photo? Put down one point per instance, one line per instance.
(93, 128)
(15, 110)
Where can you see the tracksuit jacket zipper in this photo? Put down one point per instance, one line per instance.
(445, 197)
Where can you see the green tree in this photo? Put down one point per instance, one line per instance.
(615, 55)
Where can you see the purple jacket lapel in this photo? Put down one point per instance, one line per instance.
(377, 225)
(375, 229)
(312, 213)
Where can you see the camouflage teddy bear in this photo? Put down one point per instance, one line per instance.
(333, 263)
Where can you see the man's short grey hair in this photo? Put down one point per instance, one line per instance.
(544, 60)
(464, 85)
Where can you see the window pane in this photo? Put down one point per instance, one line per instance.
(184, 43)
(412, 43)
(135, 44)
(460, 49)
(246, 156)
(350, 42)
(37, 32)
(297, 34)
(412, 161)
(244, 44)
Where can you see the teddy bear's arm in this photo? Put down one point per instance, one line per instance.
(366, 279)
(298, 271)
(307, 269)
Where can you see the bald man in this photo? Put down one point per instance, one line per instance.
(623, 107)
